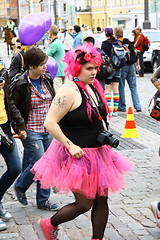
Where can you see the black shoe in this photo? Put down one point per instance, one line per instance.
(121, 110)
(21, 196)
(54, 190)
(139, 110)
(49, 206)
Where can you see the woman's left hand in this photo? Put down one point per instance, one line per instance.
(76, 151)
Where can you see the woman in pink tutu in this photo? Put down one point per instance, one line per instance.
(79, 158)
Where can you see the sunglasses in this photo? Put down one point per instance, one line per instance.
(19, 47)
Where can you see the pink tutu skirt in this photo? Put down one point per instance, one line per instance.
(100, 170)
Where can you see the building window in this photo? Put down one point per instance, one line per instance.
(121, 23)
(94, 23)
(64, 7)
(103, 23)
(98, 23)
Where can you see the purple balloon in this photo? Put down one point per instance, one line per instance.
(47, 20)
(52, 66)
(31, 29)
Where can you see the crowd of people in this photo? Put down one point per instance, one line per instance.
(48, 116)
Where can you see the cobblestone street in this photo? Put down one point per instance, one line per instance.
(130, 217)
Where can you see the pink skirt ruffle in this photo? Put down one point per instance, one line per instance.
(100, 170)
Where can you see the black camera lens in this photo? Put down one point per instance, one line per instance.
(107, 138)
(114, 142)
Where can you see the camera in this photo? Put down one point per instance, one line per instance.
(106, 137)
(7, 141)
(1, 79)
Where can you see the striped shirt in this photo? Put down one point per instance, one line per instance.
(40, 104)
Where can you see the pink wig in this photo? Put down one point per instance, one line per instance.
(74, 60)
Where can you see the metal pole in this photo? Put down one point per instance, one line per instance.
(19, 11)
(49, 7)
(5, 16)
(31, 6)
(155, 2)
(105, 13)
(146, 23)
(91, 14)
(55, 11)
(111, 12)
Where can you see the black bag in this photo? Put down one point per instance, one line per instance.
(154, 106)
(131, 53)
(106, 66)
(6, 140)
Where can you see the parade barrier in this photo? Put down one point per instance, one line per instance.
(130, 130)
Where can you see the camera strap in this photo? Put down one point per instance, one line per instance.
(91, 101)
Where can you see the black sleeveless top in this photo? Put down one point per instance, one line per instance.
(79, 128)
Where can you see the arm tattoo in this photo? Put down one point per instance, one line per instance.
(60, 101)
(68, 142)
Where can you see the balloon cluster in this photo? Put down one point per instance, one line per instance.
(33, 27)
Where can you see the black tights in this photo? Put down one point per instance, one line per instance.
(99, 213)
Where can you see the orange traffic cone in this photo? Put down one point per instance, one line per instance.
(130, 130)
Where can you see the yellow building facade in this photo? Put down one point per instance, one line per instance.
(104, 13)
(4, 9)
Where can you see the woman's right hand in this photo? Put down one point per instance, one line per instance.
(76, 151)
(22, 134)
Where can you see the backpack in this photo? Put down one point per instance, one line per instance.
(146, 43)
(106, 67)
(131, 53)
(117, 57)
(154, 106)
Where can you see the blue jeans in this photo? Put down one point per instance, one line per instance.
(25, 160)
(128, 73)
(141, 63)
(13, 164)
(35, 144)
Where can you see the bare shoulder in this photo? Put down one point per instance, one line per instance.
(69, 87)
(67, 95)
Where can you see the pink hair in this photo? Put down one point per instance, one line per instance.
(74, 60)
(73, 65)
